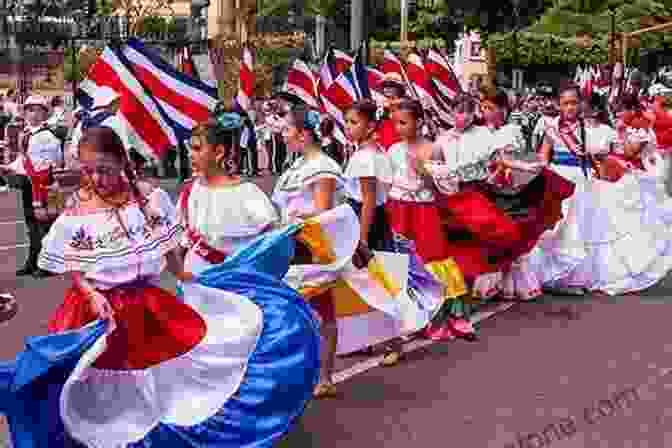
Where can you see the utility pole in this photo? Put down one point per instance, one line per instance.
(404, 28)
(356, 24)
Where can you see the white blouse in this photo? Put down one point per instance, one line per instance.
(111, 246)
(369, 161)
(227, 217)
(407, 185)
(294, 192)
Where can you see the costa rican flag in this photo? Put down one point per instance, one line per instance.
(185, 100)
(421, 81)
(142, 114)
(301, 82)
(392, 64)
(342, 61)
(186, 64)
(247, 80)
(442, 74)
(347, 88)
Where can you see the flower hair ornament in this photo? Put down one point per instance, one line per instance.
(312, 120)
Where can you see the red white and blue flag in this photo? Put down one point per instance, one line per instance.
(159, 105)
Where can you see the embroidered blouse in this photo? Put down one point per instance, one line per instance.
(407, 185)
(467, 155)
(295, 190)
(369, 161)
(113, 246)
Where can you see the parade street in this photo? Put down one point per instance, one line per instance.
(559, 372)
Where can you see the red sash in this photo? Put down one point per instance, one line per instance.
(39, 181)
(199, 246)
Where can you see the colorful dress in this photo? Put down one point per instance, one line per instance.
(494, 222)
(414, 217)
(206, 372)
(604, 241)
(369, 305)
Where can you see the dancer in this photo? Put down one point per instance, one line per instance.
(164, 371)
(357, 304)
(308, 187)
(368, 178)
(219, 211)
(394, 89)
(604, 244)
(414, 214)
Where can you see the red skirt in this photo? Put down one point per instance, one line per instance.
(484, 238)
(152, 325)
(421, 223)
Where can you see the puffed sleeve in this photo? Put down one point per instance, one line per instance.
(370, 163)
(261, 214)
(163, 220)
(182, 217)
(55, 246)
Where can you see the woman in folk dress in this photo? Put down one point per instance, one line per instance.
(219, 211)
(167, 371)
(311, 185)
(604, 243)
(414, 215)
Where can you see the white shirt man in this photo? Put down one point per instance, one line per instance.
(42, 147)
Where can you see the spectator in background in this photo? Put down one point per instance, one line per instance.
(10, 106)
(329, 144)
(57, 117)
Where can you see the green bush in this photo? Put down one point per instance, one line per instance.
(276, 56)
(546, 49)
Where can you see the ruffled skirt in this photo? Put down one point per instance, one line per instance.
(610, 241)
(231, 366)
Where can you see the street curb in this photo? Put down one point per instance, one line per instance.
(412, 346)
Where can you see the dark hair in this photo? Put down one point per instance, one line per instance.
(496, 96)
(367, 108)
(629, 102)
(105, 140)
(566, 85)
(412, 106)
(223, 128)
(326, 127)
(467, 101)
(214, 135)
(302, 118)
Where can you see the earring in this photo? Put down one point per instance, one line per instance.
(231, 165)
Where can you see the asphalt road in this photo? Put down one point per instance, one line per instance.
(600, 376)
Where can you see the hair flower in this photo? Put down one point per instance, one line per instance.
(229, 120)
(312, 120)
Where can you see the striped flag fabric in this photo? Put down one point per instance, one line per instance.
(348, 87)
(186, 63)
(185, 100)
(342, 61)
(391, 63)
(442, 74)
(140, 112)
(302, 83)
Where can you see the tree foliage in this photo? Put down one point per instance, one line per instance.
(550, 39)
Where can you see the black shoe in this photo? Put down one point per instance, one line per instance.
(26, 270)
(39, 273)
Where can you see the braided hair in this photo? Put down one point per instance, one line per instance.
(105, 140)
